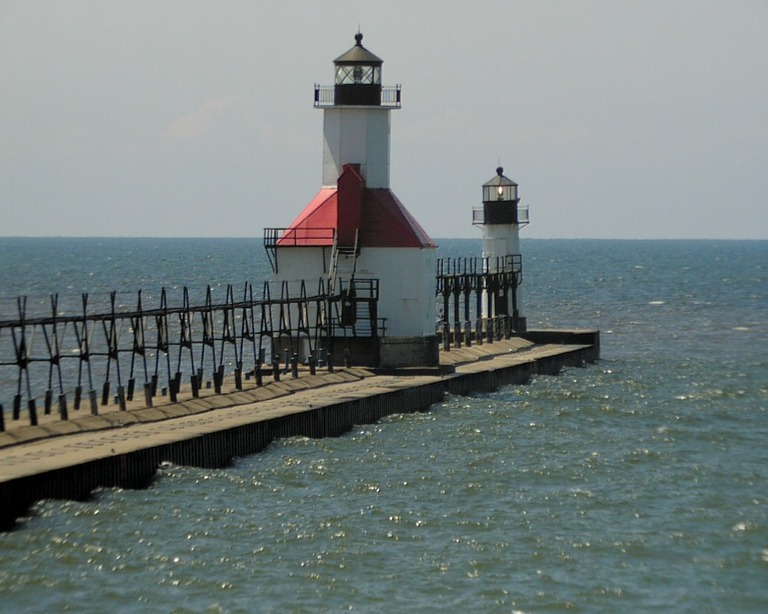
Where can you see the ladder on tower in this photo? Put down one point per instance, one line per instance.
(343, 266)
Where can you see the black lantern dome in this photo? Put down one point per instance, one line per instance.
(358, 76)
(500, 200)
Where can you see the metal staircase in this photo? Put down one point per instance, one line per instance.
(356, 309)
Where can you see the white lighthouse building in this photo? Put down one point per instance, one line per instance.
(356, 234)
(501, 218)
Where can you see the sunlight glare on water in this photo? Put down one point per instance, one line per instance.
(636, 484)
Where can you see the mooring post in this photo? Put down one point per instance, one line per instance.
(78, 396)
(330, 362)
(479, 331)
(321, 358)
(312, 369)
(48, 402)
(131, 388)
(32, 412)
(94, 403)
(16, 406)
(63, 407)
(239, 375)
(148, 394)
(121, 397)
(259, 376)
(457, 335)
(446, 337)
(218, 376)
(468, 333)
(276, 370)
(177, 382)
(295, 366)
(195, 384)
(105, 394)
(287, 362)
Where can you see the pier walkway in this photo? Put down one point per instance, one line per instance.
(56, 447)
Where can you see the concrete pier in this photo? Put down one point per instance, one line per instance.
(68, 459)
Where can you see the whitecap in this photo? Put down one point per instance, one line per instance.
(741, 527)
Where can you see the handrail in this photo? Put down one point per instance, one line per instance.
(452, 267)
(523, 218)
(325, 96)
(274, 237)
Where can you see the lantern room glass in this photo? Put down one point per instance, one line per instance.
(499, 192)
(358, 74)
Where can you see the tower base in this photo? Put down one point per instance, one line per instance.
(398, 352)
(387, 352)
(378, 352)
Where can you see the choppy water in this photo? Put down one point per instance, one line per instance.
(637, 484)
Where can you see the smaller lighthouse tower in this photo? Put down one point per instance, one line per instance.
(501, 218)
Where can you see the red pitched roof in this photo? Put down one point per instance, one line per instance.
(387, 223)
(384, 220)
(315, 225)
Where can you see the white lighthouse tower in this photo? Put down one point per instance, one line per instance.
(501, 218)
(356, 234)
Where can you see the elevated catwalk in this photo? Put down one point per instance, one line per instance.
(69, 459)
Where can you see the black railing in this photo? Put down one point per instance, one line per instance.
(325, 96)
(523, 219)
(356, 312)
(292, 237)
(479, 266)
(479, 293)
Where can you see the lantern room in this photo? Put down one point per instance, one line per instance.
(500, 202)
(358, 76)
(500, 188)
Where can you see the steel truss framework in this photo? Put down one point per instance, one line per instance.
(466, 285)
(99, 355)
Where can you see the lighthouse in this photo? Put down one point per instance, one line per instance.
(500, 219)
(356, 235)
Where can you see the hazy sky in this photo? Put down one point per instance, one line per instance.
(619, 119)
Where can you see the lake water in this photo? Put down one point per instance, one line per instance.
(637, 484)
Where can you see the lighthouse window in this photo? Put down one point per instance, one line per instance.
(351, 75)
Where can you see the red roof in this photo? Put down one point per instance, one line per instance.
(384, 220)
(387, 223)
(315, 225)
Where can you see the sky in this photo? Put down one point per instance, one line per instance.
(160, 118)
